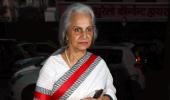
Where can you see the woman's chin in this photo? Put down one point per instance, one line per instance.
(83, 48)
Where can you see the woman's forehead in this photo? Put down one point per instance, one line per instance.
(80, 18)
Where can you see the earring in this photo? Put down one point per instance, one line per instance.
(66, 38)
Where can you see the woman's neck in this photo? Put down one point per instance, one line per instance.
(75, 54)
(72, 56)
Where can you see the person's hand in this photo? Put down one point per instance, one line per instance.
(88, 98)
(100, 98)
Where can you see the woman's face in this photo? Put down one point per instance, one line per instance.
(80, 31)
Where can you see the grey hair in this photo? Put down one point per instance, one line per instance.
(65, 21)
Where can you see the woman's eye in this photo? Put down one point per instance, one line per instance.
(89, 29)
(77, 30)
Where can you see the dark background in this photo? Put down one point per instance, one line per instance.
(157, 80)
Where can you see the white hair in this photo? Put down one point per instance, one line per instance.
(65, 20)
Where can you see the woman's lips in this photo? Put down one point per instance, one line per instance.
(84, 43)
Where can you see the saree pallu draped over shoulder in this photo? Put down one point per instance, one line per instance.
(67, 84)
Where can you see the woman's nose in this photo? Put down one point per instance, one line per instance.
(84, 35)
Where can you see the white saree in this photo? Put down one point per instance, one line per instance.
(55, 72)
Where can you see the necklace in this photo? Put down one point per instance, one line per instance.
(67, 58)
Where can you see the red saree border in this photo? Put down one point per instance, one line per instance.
(73, 78)
(41, 96)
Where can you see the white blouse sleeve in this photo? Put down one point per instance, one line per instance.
(110, 89)
(47, 74)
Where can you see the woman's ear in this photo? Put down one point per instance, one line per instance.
(66, 38)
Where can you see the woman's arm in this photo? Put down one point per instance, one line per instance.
(45, 81)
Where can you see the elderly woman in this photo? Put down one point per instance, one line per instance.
(74, 73)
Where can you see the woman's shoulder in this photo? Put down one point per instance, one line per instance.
(98, 56)
(50, 61)
(52, 58)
